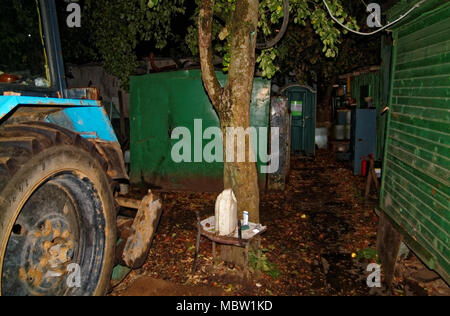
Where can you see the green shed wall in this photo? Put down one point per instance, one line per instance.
(416, 178)
(164, 101)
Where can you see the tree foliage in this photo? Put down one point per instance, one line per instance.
(120, 25)
(310, 13)
(300, 51)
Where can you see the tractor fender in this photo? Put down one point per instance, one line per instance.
(85, 117)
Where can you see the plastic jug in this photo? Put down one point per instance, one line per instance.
(226, 213)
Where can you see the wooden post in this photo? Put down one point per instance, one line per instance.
(371, 177)
(388, 247)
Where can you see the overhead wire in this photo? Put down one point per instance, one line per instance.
(401, 17)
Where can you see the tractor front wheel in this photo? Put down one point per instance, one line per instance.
(57, 213)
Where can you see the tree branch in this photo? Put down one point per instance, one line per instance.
(209, 77)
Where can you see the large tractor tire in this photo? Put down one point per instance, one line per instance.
(57, 213)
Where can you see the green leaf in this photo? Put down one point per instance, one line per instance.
(152, 3)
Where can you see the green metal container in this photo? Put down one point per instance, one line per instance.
(302, 100)
(415, 192)
(164, 101)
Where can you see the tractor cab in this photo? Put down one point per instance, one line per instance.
(30, 52)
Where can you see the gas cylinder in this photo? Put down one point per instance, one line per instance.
(363, 166)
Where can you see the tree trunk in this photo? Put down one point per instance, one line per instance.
(232, 102)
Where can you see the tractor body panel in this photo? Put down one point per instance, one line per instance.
(84, 117)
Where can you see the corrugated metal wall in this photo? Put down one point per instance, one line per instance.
(416, 176)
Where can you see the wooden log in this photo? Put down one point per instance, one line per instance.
(144, 227)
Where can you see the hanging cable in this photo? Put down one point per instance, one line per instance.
(379, 30)
(283, 29)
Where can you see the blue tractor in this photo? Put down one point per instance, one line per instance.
(59, 162)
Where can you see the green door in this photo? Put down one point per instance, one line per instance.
(298, 121)
(302, 102)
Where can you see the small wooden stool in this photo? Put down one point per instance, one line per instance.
(207, 229)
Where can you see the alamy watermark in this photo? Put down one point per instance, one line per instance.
(73, 272)
(237, 149)
(74, 277)
(374, 278)
(74, 17)
(374, 19)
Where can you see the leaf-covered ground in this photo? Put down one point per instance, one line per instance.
(319, 241)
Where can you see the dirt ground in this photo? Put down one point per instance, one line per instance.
(319, 241)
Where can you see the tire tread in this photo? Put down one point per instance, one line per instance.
(20, 142)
